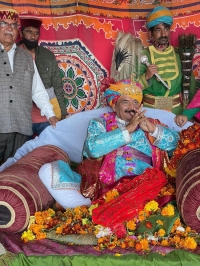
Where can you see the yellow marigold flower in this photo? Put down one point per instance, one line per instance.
(51, 212)
(27, 236)
(151, 206)
(144, 244)
(165, 243)
(161, 232)
(159, 222)
(171, 172)
(110, 195)
(189, 243)
(168, 210)
(118, 254)
(131, 225)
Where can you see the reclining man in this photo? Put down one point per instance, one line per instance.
(129, 140)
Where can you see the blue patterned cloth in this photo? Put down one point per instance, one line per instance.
(64, 177)
(99, 143)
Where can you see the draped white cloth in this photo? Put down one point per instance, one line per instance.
(70, 133)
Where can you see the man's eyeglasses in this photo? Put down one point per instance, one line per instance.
(4, 24)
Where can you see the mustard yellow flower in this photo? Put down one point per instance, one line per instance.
(165, 243)
(159, 222)
(161, 232)
(27, 236)
(189, 243)
(144, 244)
(168, 210)
(131, 225)
(110, 195)
(151, 206)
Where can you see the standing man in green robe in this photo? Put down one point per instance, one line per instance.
(163, 60)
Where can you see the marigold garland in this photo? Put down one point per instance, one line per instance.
(189, 140)
(79, 221)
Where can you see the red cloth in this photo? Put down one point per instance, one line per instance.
(133, 195)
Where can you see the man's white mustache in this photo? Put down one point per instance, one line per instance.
(8, 32)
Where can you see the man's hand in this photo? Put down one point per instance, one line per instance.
(181, 120)
(53, 120)
(147, 126)
(137, 118)
(151, 70)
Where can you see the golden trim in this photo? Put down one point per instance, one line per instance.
(175, 71)
(185, 182)
(185, 195)
(34, 188)
(25, 206)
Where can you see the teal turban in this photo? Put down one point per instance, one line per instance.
(160, 14)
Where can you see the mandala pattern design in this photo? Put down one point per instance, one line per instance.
(81, 75)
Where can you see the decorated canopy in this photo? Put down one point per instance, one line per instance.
(82, 34)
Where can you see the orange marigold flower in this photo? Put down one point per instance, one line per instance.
(36, 228)
(165, 243)
(168, 210)
(143, 215)
(77, 210)
(138, 246)
(59, 230)
(41, 235)
(131, 225)
(110, 195)
(123, 245)
(189, 243)
(144, 244)
(188, 229)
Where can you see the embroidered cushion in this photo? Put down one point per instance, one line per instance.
(21, 191)
(187, 189)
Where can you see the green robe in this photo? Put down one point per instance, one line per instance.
(169, 68)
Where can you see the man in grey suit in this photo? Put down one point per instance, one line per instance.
(20, 83)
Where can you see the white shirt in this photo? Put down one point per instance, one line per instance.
(39, 94)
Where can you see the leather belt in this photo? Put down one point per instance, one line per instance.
(161, 102)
